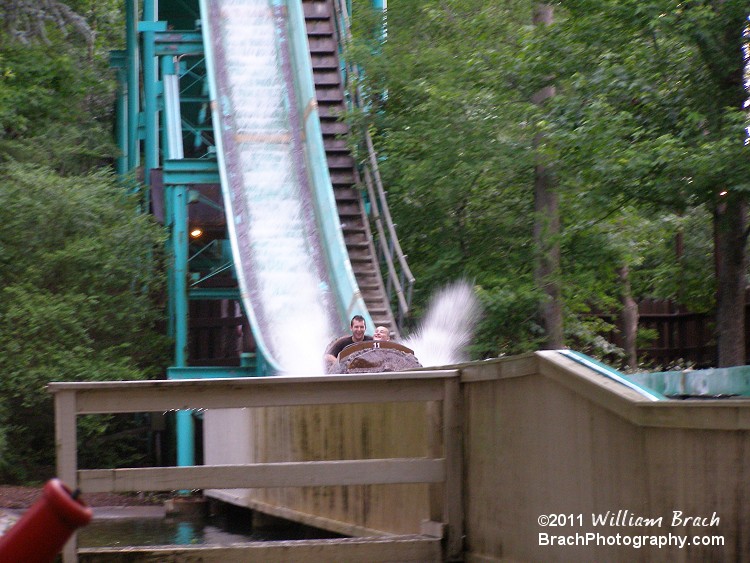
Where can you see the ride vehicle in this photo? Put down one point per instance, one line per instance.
(375, 356)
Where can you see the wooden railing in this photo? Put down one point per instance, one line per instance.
(443, 469)
(399, 280)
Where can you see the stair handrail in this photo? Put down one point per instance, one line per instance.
(401, 282)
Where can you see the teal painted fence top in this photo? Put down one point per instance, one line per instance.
(706, 383)
(613, 374)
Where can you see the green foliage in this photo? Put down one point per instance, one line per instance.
(453, 165)
(56, 98)
(644, 132)
(82, 280)
(508, 325)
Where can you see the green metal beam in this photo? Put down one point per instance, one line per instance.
(187, 171)
(178, 43)
(133, 72)
(150, 88)
(118, 61)
(214, 293)
(209, 372)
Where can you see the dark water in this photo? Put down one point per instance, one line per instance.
(213, 530)
(229, 526)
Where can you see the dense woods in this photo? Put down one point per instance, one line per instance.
(81, 271)
(642, 143)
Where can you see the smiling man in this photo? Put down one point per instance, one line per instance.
(358, 327)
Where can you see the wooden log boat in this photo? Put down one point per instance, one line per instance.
(375, 356)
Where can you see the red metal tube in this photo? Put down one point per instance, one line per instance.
(43, 530)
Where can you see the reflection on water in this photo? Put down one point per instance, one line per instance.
(213, 530)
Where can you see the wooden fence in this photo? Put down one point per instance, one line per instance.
(443, 470)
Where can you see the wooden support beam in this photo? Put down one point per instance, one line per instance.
(453, 510)
(163, 395)
(298, 474)
(352, 550)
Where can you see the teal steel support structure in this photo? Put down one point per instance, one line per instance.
(118, 61)
(148, 26)
(177, 217)
(148, 110)
(131, 42)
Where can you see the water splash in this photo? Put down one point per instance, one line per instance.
(448, 327)
(277, 253)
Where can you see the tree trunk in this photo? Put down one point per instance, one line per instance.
(729, 225)
(547, 225)
(547, 267)
(628, 318)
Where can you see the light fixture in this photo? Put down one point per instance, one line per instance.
(196, 232)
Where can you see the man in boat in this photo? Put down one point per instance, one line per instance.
(382, 333)
(358, 327)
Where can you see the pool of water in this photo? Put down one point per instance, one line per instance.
(146, 526)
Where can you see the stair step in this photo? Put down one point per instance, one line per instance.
(356, 255)
(319, 26)
(341, 161)
(346, 194)
(330, 111)
(336, 145)
(329, 95)
(322, 44)
(334, 127)
(325, 59)
(353, 225)
(315, 9)
(327, 77)
(342, 178)
(347, 212)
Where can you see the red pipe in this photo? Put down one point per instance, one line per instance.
(43, 530)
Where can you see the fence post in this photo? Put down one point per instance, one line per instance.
(67, 454)
(453, 512)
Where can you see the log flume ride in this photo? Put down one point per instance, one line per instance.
(375, 356)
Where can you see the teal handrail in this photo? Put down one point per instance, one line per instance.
(399, 278)
(349, 298)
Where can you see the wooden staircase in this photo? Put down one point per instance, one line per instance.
(329, 91)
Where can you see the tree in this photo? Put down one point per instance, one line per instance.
(547, 221)
(446, 121)
(81, 268)
(666, 78)
(28, 22)
(55, 107)
(81, 284)
(641, 135)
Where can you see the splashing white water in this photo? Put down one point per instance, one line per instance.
(447, 328)
(273, 231)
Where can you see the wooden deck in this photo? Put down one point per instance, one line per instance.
(442, 471)
(418, 549)
(474, 454)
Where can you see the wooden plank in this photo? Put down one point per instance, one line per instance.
(717, 414)
(300, 474)
(292, 380)
(453, 512)
(65, 437)
(435, 439)
(707, 414)
(306, 518)
(67, 454)
(151, 396)
(350, 550)
(240, 396)
(500, 368)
